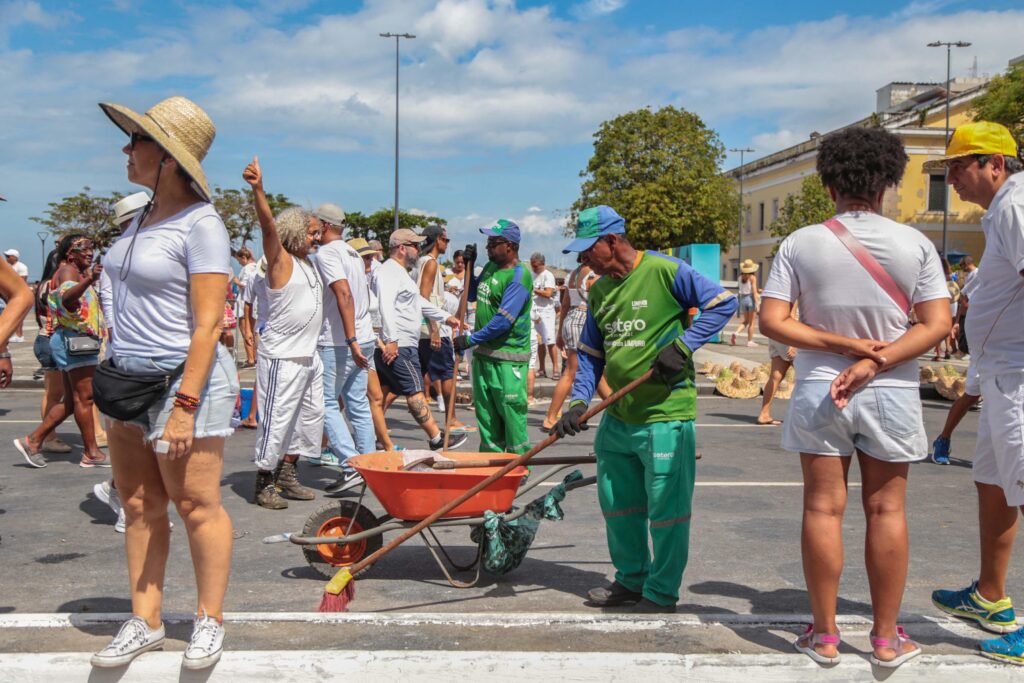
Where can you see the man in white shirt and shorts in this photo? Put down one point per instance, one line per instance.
(544, 292)
(984, 168)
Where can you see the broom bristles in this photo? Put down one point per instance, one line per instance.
(338, 602)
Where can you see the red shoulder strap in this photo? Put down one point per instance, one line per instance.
(870, 264)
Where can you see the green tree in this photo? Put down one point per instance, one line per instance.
(84, 213)
(381, 223)
(811, 205)
(661, 171)
(1003, 102)
(238, 213)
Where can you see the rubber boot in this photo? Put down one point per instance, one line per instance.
(288, 483)
(266, 495)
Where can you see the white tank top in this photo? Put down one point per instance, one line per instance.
(577, 288)
(295, 314)
(436, 295)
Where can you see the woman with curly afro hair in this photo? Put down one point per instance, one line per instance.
(856, 379)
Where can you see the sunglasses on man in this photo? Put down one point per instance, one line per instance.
(495, 242)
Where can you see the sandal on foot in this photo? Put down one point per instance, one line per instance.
(808, 639)
(732, 339)
(902, 655)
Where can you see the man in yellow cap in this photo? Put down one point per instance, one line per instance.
(984, 168)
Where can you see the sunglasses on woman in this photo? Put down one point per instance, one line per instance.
(137, 137)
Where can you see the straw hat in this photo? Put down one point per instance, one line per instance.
(735, 367)
(748, 266)
(785, 389)
(705, 369)
(179, 126)
(928, 374)
(129, 207)
(737, 387)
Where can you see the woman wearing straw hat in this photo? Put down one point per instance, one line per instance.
(750, 301)
(169, 272)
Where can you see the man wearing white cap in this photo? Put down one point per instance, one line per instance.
(21, 269)
(346, 343)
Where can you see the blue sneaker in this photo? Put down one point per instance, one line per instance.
(1009, 648)
(327, 459)
(997, 617)
(940, 451)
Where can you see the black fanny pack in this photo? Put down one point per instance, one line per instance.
(122, 396)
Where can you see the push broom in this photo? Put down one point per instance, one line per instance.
(341, 589)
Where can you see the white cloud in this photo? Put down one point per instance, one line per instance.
(597, 8)
(766, 143)
(534, 209)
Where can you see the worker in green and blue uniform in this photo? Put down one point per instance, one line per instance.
(500, 340)
(638, 319)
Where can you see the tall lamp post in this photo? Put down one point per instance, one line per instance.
(739, 249)
(42, 235)
(949, 45)
(397, 37)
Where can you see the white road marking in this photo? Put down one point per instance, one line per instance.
(753, 484)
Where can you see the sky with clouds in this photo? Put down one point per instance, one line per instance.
(499, 99)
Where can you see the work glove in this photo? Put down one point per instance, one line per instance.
(462, 342)
(469, 253)
(670, 365)
(569, 424)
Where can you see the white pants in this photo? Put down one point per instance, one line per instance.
(547, 325)
(999, 459)
(290, 396)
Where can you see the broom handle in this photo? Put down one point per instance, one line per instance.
(449, 406)
(511, 465)
(498, 462)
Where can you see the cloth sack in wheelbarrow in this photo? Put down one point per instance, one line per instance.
(506, 541)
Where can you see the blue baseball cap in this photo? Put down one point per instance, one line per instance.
(504, 229)
(593, 224)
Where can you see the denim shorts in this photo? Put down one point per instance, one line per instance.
(218, 396)
(883, 422)
(63, 360)
(747, 303)
(41, 347)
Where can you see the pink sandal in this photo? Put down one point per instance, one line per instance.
(902, 656)
(808, 639)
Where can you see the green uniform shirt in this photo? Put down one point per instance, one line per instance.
(497, 290)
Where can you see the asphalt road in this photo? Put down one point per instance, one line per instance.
(59, 552)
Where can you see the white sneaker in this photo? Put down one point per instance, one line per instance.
(134, 638)
(17, 340)
(206, 645)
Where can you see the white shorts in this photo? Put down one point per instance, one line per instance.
(883, 422)
(547, 325)
(290, 396)
(999, 459)
(534, 345)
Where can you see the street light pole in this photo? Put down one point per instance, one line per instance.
(739, 248)
(949, 45)
(397, 37)
(42, 235)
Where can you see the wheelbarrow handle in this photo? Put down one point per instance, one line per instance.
(508, 467)
(498, 462)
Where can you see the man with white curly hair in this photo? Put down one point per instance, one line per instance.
(289, 373)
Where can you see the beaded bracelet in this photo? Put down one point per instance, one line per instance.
(189, 403)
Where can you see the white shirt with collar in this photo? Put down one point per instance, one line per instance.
(995, 317)
(401, 306)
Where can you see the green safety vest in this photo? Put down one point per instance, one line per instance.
(513, 346)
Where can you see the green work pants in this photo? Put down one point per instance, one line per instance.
(499, 397)
(645, 482)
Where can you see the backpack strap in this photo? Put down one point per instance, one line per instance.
(870, 264)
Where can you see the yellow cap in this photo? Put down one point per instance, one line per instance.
(981, 137)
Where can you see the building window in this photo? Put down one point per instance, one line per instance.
(775, 209)
(936, 192)
(760, 220)
(747, 212)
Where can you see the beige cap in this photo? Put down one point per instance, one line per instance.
(405, 236)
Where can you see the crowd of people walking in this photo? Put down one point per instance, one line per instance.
(338, 329)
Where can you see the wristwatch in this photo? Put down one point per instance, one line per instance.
(350, 341)
(5, 354)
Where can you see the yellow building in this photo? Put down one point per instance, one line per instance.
(913, 111)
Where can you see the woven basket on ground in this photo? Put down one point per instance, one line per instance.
(951, 388)
(928, 374)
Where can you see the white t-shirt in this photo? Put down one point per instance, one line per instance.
(295, 314)
(338, 261)
(21, 269)
(837, 295)
(152, 306)
(106, 293)
(995, 316)
(401, 306)
(374, 302)
(543, 280)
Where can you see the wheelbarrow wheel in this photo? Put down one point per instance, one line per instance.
(339, 518)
